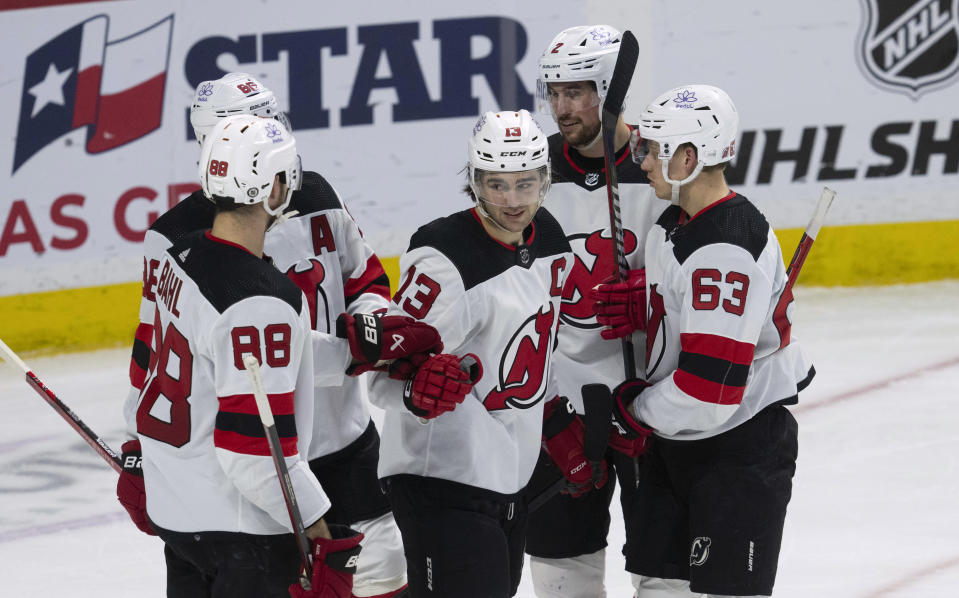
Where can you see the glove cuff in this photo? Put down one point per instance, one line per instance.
(131, 446)
(625, 395)
(340, 552)
(408, 400)
(363, 333)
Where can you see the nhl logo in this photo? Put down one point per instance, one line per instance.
(592, 179)
(523, 255)
(910, 46)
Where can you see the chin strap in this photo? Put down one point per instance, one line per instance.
(674, 196)
(278, 220)
(482, 211)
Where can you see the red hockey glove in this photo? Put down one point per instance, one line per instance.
(130, 490)
(621, 306)
(563, 433)
(440, 384)
(334, 563)
(628, 435)
(375, 339)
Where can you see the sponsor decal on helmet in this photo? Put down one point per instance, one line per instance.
(273, 132)
(479, 124)
(685, 99)
(205, 91)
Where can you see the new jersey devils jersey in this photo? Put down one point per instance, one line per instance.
(502, 304)
(578, 199)
(206, 460)
(322, 251)
(718, 345)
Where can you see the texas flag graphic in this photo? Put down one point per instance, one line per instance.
(79, 79)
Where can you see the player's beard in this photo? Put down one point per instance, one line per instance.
(581, 137)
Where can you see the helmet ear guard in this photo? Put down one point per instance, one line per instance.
(242, 156)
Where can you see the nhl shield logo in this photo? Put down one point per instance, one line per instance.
(911, 46)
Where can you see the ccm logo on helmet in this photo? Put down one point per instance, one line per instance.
(504, 154)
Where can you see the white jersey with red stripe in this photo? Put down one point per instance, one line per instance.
(579, 201)
(502, 304)
(206, 460)
(323, 252)
(718, 346)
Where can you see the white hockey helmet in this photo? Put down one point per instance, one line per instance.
(233, 93)
(242, 155)
(701, 115)
(507, 142)
(584, 53)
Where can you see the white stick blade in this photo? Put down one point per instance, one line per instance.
(825, 200)
(9, 355)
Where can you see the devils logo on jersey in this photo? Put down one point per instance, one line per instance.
(310, 282)
(594, 264)
(655, 330)
(523, 368)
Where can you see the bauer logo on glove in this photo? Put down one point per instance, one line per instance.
(365, 334)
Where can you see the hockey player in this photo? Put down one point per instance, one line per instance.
(457, 450)
(319, 246)
(721, 367)
(567, 536)
(212, 492)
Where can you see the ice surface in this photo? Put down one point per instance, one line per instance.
(874, 511)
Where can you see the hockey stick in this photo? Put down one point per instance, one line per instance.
(283, 474)
(796, 263)
(619, 82)
(598, 408)
(91, 438)
(612, 109)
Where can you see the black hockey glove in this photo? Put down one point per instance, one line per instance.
(628, 435)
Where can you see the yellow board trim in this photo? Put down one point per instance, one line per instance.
(876, 254)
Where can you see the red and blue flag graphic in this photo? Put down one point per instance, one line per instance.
(79, 79)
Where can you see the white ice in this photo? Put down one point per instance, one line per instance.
(874, 514)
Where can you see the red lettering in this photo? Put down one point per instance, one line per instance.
(71, 222)
(150, 278)
(135, 235)
(322, 235)
(706, 296)
(176, 298)
(164, 276)
(423, 299)
(20, 212)
(558, 266)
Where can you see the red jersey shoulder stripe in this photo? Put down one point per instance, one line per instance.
(372, 280)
